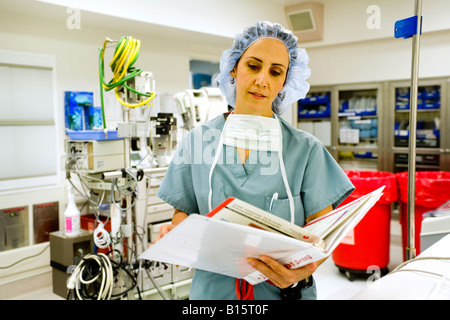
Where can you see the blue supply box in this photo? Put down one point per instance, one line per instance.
(428, 98)
(80, 113)
(368, 128)
(316, 105)
(93, 135)
(358, 106)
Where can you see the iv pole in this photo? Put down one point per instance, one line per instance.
(410, 248)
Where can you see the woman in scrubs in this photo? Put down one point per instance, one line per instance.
(254, 155)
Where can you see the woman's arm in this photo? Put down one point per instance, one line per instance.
(178, 216)
(318, 214)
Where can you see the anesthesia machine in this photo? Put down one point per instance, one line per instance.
(116, 172)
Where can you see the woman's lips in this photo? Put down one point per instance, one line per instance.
(257, 95)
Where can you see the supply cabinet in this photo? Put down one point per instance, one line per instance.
(432, 142)
(347, 119)
(314, 114)
(366, 126)
(359, 118)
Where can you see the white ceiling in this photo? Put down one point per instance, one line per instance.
(51, 12)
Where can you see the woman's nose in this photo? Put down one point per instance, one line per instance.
(261, 79)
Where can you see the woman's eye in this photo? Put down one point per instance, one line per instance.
(275, 73)
(253, 67)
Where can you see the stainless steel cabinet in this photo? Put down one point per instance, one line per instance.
(432, 138)
(365, 125)
(350, 125)
(314, 114)
(358, 122)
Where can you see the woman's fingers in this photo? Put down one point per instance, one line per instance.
(163, 230)
(278, 274)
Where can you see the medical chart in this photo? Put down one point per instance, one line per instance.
(222, 241)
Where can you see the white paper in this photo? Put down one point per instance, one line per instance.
(442, 290)
(223, 247)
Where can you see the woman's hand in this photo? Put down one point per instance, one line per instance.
(178, 216)
(281, 276)
(163, 230)
(278, 274)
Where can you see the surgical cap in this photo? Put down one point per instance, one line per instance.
(295, 87)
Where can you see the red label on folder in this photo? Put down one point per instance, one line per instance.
(220, 207)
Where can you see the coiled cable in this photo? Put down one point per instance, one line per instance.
(93, 278)
(102, 239)
(125, 55)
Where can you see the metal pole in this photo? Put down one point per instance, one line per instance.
(127, 162)
(410, 248)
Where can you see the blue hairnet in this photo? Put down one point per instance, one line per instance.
(295, 87)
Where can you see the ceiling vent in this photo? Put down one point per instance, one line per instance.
(306, 20)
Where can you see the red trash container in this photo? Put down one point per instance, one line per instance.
(432, 189)
(367, 245)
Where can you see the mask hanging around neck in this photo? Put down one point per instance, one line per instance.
(250, 126)
(252, 132)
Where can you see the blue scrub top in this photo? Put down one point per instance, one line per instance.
(315, 179)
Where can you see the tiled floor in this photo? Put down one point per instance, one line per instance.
(331, 284)
(46, 293)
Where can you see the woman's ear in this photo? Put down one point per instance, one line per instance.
(233, 73)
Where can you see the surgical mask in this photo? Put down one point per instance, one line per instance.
(258, 134)
(252, 132)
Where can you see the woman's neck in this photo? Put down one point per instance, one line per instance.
(263, 113)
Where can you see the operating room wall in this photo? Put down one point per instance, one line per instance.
(77, 54)
(349, 21)
(358, 42)
(379, 60)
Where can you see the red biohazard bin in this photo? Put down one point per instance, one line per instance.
(432, 189)
(367, 245)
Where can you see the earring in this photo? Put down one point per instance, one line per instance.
(232, 81)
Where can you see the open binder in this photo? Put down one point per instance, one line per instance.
(222, 241)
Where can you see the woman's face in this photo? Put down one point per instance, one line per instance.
(260, 75)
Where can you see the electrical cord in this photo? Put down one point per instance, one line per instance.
(161, 292)
(120, 270)
(93, 278)
(399, 268)
(84, 194)
(102, 239)
(123, 190)
(26, 258)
